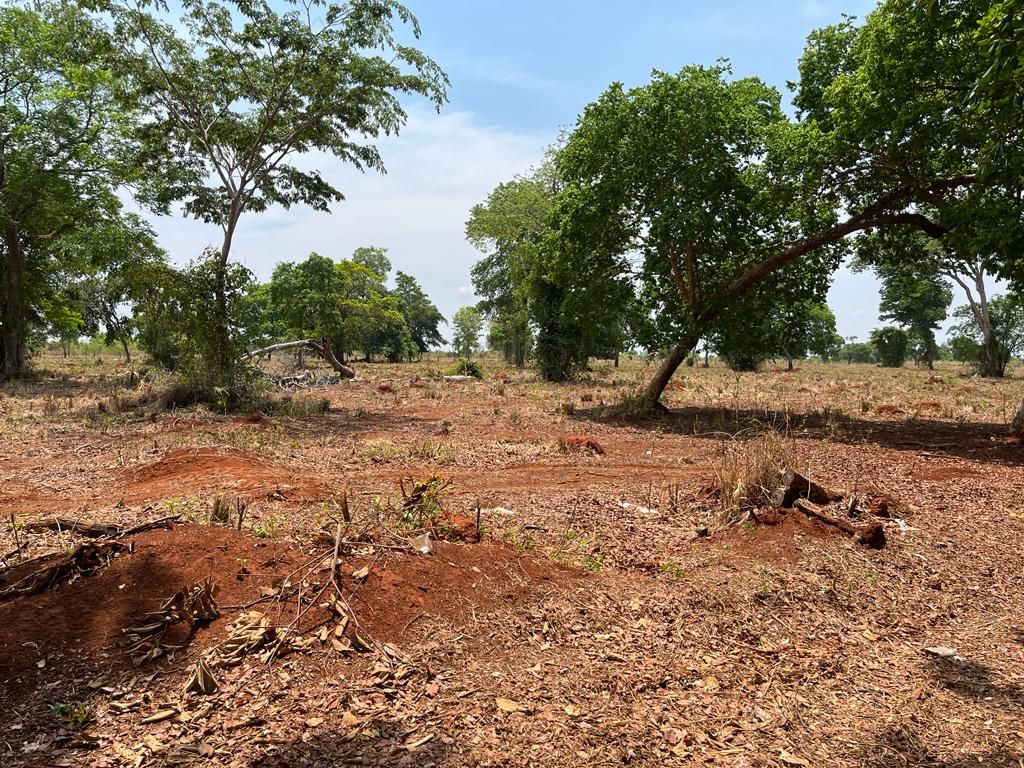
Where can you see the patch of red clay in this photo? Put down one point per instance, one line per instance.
(776, 537)
(580, 444)
(455, 582)
(77, 627)
(185, 471)
(940, 474)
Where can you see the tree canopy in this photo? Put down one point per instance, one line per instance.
(236, 91)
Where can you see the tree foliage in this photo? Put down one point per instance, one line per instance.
(1006, 334)
(891, 345)
(64, 120)
(719, 192)
(235, 91)
(467, 324)
(422, 317)
(344, 302)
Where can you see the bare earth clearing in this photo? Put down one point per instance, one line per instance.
(590, 626)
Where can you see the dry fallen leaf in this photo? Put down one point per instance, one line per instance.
(790, 759)
(507, 705)
(361, 574)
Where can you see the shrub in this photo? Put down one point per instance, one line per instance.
(466, 367)
(749, 474)
(891, 344)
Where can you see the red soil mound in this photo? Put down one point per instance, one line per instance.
(776, 537)
(77, 627)
(940, 474)
(185, 471)
(580, 444)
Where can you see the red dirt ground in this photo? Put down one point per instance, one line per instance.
(184, 471)
(77, 627)
(777, 537)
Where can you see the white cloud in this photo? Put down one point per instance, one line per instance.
(438, 168)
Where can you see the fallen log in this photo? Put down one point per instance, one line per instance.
(63, 525)
(871, 535)
(793, 486)
(322, 348)
(50, 569)
(96, 530)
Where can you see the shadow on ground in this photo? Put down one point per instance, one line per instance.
(975, 681)
(328, 749)
(902, 747)
(978, 442)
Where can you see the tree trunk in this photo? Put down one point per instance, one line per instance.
(127, 352)
(616, 358)
(321, 347)
(223, 364)
(14, 304)
(1017, 425)
(652, 392)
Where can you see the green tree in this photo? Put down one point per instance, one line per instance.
(914, 292)
(642, 165)
(344, 304)
(63, 121)
(467, 323)
(235, 91)
(891, 345)
(1005, 332)
(853, 352)
(422, 317)
(509, 228)
(883, 137)
(158, 313)
(792, 329)
(373, 258)
(914, 270)
(110, 296)
(536, 285)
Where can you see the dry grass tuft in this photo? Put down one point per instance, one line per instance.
(749, 473)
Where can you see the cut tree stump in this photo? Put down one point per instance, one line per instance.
(795, 486)
(870, 535)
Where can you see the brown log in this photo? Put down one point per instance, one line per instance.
(96, 530)
(321, 347)
(871, 535)
(53, 568)
(63, 525)
(795, 486)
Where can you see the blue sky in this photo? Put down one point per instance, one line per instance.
(520, 72)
